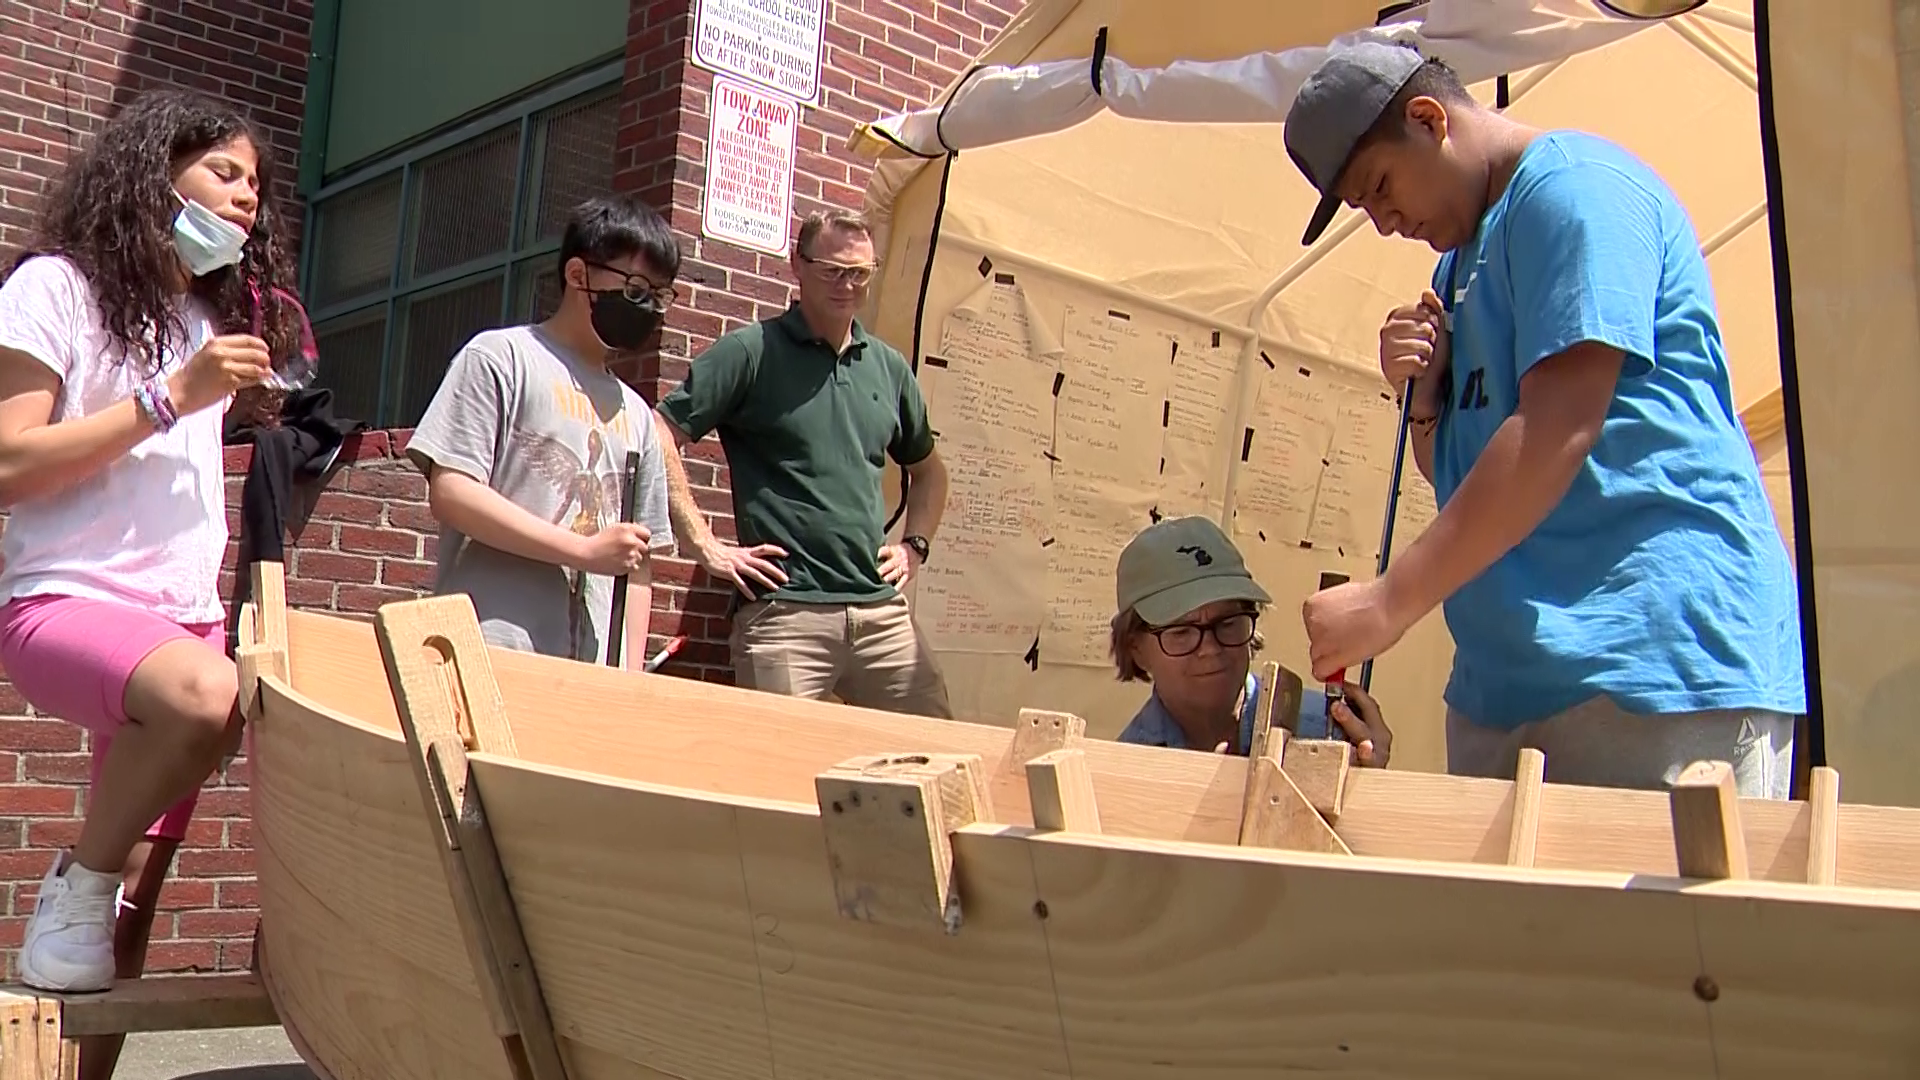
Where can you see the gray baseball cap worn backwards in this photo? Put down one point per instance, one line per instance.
(1337, 104)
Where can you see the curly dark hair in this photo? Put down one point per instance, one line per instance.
(111, 214)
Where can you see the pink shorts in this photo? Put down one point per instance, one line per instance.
(72, 657)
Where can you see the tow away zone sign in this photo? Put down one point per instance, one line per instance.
(749, 191)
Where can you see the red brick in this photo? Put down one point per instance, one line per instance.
(39, 735)
(336, 505)
(71, 768)
(219, 863)
(236, 954)
(37, 800)
(179, 895)
(369, 599)
(176, 957)
(216, 924)
(371, 541)
(328, 566)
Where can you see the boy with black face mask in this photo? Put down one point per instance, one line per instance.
(525, 444)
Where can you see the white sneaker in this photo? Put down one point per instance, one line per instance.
(69, 939)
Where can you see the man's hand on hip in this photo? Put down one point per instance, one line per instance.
(739, 565)
(897, 563)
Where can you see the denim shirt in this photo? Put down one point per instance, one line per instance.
(1154, 726)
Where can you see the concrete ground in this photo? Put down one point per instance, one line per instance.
(239, 1054)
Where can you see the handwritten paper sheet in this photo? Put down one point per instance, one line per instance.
(1198, 411)
(986, 592)
(1114, 375)
(1350, 504)
(1093, 518)
(990, 398)
(1417, 505)
(1281, 467)
(995, 371)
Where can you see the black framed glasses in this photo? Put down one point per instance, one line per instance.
(1183, 639)
(637, 288)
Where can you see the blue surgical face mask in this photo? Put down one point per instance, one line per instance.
(205, 240)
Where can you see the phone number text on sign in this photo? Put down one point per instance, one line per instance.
(749, 192)
(774, 43)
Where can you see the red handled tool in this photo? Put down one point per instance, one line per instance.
(1334, 691)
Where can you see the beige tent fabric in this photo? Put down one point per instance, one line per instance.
(1184, 227)
(1847, 96)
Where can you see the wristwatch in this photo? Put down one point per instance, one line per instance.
(919, 545)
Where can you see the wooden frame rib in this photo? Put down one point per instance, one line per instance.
(449, 703)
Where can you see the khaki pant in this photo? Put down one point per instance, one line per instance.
(865, 654)
(1597, 744)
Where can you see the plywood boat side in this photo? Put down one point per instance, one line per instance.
(692, 904)
(721, 740)
(361, 944)
(705, 941)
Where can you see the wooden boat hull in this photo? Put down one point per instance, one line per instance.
(692, 906)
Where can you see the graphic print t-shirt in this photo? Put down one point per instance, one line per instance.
(520, 414)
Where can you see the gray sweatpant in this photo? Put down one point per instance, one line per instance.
(1597, 744)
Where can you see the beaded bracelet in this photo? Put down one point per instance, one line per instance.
(163, 401)
(156, 406)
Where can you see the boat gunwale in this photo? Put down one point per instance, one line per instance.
(1390, 865)
(1379, 803)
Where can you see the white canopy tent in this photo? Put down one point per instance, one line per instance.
(1072, 261)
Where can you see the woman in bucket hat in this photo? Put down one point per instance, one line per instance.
(1187, 622)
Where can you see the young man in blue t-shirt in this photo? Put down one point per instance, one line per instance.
(1617, 590)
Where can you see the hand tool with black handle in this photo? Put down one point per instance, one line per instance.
(617, 622)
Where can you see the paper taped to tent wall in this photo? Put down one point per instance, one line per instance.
(1091, 267)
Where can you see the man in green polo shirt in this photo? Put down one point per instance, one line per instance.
(808, 407)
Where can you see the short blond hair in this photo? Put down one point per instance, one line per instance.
(820, 221)
(1128, 624)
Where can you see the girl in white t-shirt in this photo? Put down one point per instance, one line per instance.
(123, 338)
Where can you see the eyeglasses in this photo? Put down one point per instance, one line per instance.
(840, 273)
(1183, 639)
(637, 288)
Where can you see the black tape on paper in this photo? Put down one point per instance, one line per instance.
(1059, 380)
(934, 361)
(1306, 373)
(1121, 315)
(1047, 543)
(1246, 445)
(986, 266)
(1003, 278)
(1216, 339)
(1268, 359)
(1033, 655)
(1166, 413)
(1154, 515)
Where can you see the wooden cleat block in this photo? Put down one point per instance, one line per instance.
(888, 822)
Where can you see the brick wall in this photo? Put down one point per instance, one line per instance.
(64, 65)
(369, 538)
(882, 56)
